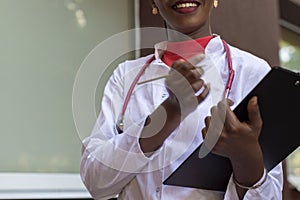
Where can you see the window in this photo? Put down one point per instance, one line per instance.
(43, 43)
(290, 58)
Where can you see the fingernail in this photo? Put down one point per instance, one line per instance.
(230, 102)
(207, 85)
(181, 60)
(255, 100)
(196, 59)
(200, 70)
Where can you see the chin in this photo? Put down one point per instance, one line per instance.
(188, 31)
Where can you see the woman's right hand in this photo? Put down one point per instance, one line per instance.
(183, 82)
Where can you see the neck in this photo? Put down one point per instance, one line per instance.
(177, 36)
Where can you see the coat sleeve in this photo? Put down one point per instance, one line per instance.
(111, 160)
(270, 189)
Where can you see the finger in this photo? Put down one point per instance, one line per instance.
(182, 85)
(218, 151)
(222, 105)
(204, 93)
(217, 119)
(177, 78)
(207, 121)
(218, 112)
(230, 102)
(231, 121)
(200, 70)
(196, 59)
(176, 65)
(254, 113)
(204, 133)
(197, 85)
(194, 74)
(182, 66)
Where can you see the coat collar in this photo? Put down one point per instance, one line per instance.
(214, 48)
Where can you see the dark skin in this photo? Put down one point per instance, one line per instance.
(184, 80)
(238, 140)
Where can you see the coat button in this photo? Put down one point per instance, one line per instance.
(157, 189)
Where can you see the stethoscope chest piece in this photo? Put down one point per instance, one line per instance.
(120, 124)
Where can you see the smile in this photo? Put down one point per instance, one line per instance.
(186, 6)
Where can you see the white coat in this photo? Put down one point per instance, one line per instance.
(114, 164)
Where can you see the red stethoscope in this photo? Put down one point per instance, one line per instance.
(120, 122)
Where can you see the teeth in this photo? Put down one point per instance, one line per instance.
(186, 5)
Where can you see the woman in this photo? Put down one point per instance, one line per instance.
(164, 118)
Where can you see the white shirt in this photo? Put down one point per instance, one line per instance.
(114, 164)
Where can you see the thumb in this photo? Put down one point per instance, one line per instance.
(230, 102)
(196, 59)
(254, 113)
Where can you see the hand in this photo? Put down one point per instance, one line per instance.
(183, 82)
(238, 140)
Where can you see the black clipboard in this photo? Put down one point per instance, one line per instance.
(279, 101)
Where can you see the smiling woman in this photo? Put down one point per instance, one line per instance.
(167, 119)
(43, 43)
(185, 16)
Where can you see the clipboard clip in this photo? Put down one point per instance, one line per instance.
(297, 83)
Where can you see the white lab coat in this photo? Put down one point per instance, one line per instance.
(114, 164)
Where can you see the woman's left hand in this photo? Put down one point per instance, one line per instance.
(237, 139)
(239, 142)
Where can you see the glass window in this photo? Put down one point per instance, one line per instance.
(43, 43)
(290, 49)
(290, 58)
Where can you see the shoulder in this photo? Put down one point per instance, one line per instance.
(246, 58)
(131, 66)
(126, 71)
(249, 69)
(242, 61)
(134, 64)
(249, 64)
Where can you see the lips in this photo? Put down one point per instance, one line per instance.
(186, 7)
